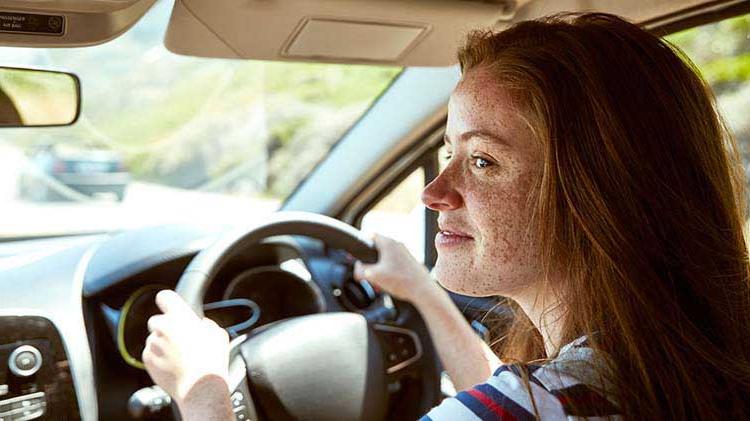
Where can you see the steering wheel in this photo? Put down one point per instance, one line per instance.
(327, 366)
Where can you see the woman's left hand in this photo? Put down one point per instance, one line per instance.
(396, 272)
(184, 350)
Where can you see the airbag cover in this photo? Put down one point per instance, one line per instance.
(318, 367)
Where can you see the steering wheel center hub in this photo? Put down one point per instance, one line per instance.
(321, 366)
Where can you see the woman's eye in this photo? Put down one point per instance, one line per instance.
(481, 162)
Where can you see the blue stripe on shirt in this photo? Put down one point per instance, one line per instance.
(478, 408)
(508, 404)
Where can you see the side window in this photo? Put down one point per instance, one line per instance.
(721, 51)
(401, 215)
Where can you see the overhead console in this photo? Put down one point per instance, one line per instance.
(67, 23)
(35, 377)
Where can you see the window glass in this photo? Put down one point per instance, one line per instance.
(400, 215)
(721, 51)
(164, 138)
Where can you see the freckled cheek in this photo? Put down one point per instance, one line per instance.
(498, 215)
(488, 203)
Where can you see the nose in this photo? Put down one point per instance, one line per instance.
(440, 195)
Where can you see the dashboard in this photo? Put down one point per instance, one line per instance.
(73, 313)
(270, 287)
(80, 310)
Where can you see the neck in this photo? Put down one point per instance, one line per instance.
(546, 314)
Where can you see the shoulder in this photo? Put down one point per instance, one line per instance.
(561, 388)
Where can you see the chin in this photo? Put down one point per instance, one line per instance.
(464, 279)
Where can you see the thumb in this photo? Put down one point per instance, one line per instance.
(169, 302)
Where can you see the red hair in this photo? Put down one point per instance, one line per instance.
(639, 211)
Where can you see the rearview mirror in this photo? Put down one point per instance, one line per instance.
(33, 98)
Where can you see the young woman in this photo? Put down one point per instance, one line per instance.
(593, 184)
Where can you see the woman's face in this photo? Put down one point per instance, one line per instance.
(484, 245)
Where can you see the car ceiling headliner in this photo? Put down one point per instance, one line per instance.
(392, 32)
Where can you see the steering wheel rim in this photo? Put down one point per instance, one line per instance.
(209, 261)
(202, 270)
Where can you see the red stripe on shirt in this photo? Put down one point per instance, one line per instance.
(491, 405)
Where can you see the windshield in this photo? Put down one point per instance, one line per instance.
(164, 138)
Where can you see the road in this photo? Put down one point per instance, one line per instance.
(144, 204)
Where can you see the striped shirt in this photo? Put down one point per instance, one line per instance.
(562, 389)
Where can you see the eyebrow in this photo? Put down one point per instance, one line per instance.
(477, 133)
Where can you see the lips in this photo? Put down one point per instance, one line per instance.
(454, 233)
(449, 238)
(450, 230)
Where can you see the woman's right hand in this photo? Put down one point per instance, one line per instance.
(183, 350)
(396, 272)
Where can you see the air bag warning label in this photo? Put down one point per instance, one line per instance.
(31, 23)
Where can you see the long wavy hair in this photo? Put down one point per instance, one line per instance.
(639, 211)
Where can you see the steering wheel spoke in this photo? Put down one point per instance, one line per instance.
(401, 348)
(242, 403)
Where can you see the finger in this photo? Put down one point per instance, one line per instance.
(211, 324)
(170, 303)
(154, 347)
(370, 236)
(362, 270)
(382, 242)
(168, 326)
(157, 323)
(381, 238)
(377, 239)
(146, 355)
(216, 328)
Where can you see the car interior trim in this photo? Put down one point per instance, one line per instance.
(115, 260)
(307, 280)
(87, 22)
(131, 360)
(79, 351)
(696, 16)
(416, 342)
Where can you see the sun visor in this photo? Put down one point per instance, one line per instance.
(390, 32)
(67, 23)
